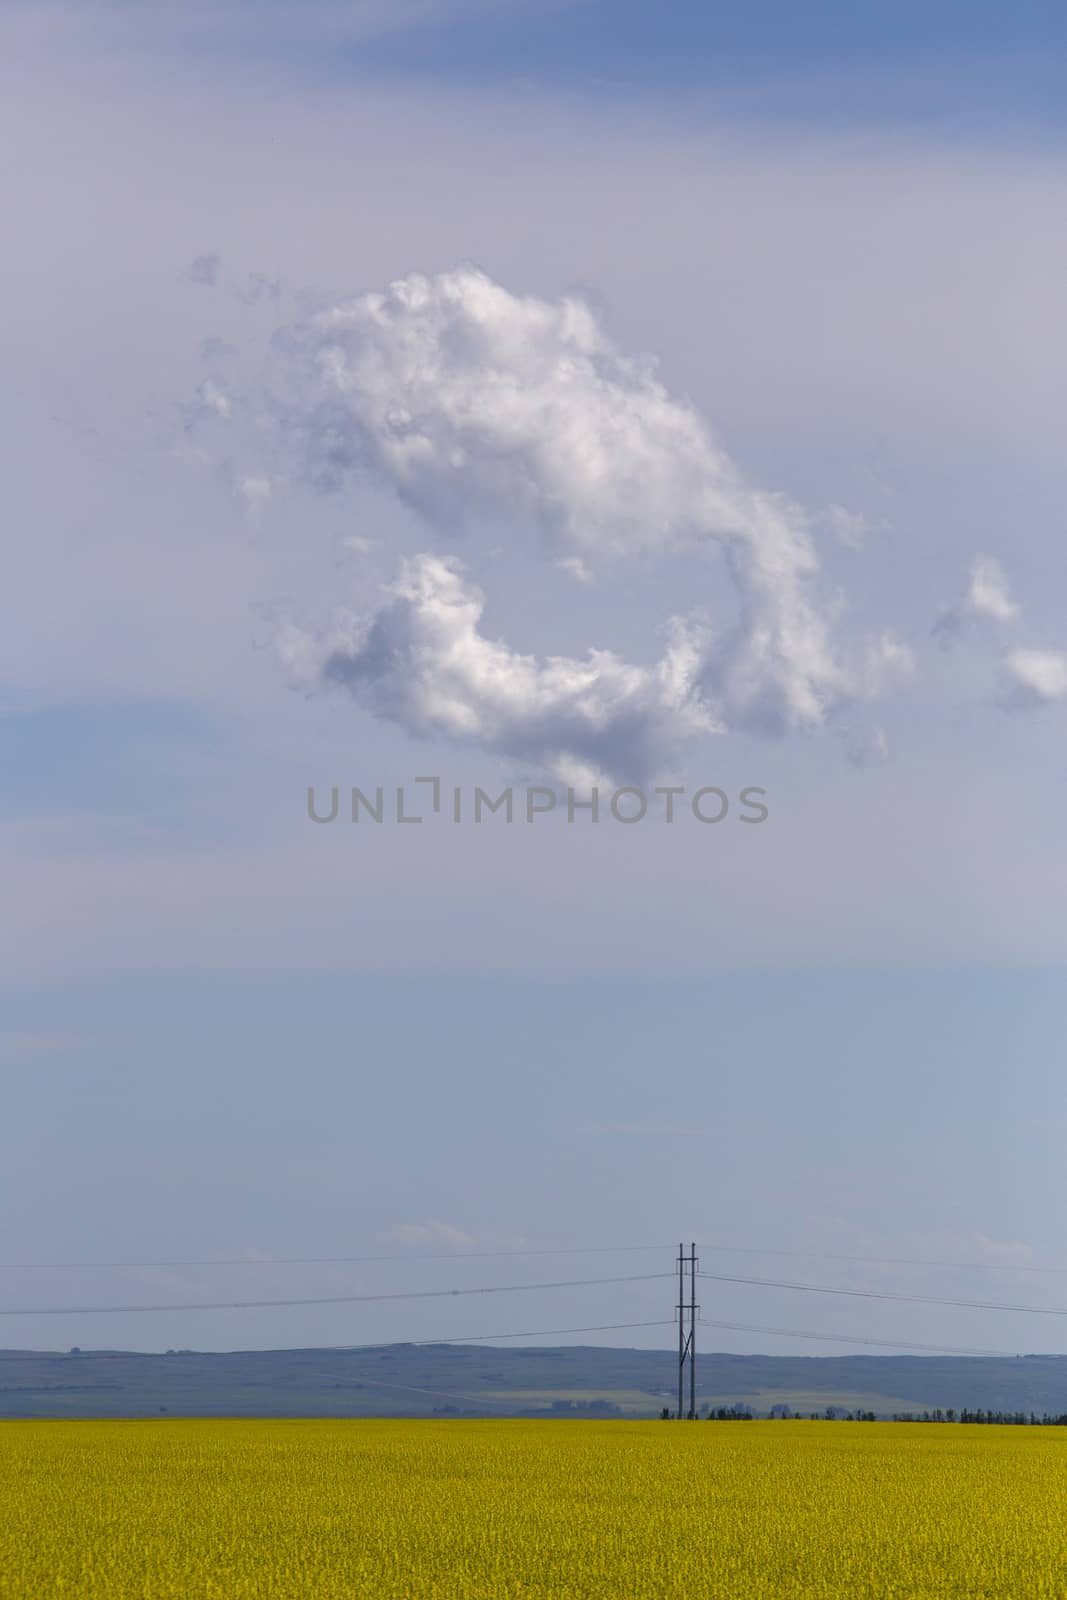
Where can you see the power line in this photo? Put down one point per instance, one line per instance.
(855, 1338)
(878, 1261)
(544, 1333)
(484, 1255)
(535, 1333)
(888, 1294)
(704, 1322)
(323, 1300)
(328, 1261)
(426, 1294)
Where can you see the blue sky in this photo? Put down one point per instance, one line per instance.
(255, 1112)
(952, 65)
(821, 268)
(685, 45)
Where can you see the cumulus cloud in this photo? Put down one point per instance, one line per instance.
(1034, 678)
(986, 597)
(423, 661)
(480, 407)
(494, 415)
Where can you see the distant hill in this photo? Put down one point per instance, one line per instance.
(421, 1380)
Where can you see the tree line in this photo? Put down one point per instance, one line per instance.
(1011, 1419)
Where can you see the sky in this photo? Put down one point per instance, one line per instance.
(539, 398)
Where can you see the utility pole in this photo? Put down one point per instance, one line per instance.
(681, 1330)
(692, 1333)
(687, 1342)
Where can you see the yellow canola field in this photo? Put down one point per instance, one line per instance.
(184, 1510)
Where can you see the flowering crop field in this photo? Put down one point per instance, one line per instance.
(489, 1510)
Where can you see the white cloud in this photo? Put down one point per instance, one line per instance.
(1034, 678)
(576, 568)
(433, 1232)
(423, 662)
(211, 399)
(480, 408)
(475, 402)
(988, 593)
(986, 597)
(887, 661)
